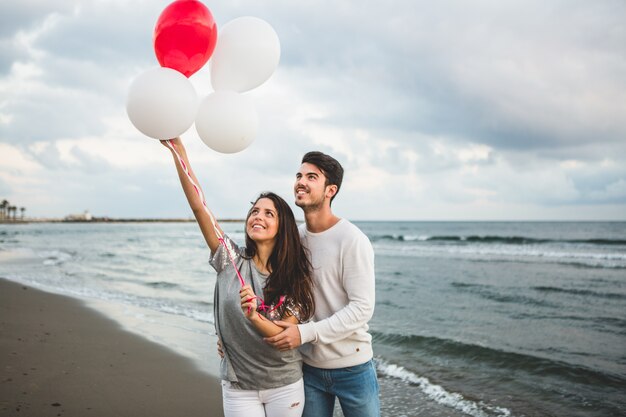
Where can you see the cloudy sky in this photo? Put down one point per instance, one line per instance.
(446, 110)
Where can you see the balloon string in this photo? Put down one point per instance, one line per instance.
(265, 307)
(218, 233)
(220, 236)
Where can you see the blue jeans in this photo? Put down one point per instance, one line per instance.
(355, 386)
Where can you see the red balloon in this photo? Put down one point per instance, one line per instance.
(185, 36)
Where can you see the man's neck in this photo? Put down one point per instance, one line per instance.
(318, 221)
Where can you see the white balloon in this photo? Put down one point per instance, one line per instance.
(227, 121)
(246, 55)
(161, 103)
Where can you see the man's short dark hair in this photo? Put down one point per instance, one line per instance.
(330, 167)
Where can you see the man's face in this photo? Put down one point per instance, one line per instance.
(309, 188)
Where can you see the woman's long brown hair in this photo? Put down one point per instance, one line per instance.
(289, 265)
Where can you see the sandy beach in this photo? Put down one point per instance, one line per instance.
(60, 358)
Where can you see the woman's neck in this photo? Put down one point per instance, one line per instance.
(262, 256)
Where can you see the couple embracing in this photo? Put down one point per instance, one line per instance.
(292, 306)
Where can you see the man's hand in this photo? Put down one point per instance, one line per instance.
(287, 339)
(220, 349)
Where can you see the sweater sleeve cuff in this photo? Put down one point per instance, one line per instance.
(307, 332)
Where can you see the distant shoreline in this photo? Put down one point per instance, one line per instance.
(191, 220)
(112, 220)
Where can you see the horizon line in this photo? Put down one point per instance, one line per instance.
(106, 219)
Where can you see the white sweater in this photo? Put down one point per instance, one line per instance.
(343, 273)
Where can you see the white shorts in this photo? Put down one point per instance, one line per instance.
(287, 401)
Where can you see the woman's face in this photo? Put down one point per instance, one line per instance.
(262, 224)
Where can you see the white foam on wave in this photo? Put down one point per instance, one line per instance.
(157, 304)
(202, 316)
(54, 257)
(50, 257)
(592, 259)
(193, 233)
(438, 394)
(421, 238)
(17, 255)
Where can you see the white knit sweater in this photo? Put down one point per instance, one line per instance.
(343, 273)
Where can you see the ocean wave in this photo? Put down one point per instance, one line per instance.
(612, 321)
(593, 265)
(439, 394)
(400, 238)
(9, 241)
(14, 232)
(55, 257)
(575, 263)
(574, 291)
(162, 284)
(604, 324)
(200, 311)
(510, 240)
(192, 313)
(493, 293)
(495, 253)
(513, 296)
(500, 359)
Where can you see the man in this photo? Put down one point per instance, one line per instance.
(335, 345)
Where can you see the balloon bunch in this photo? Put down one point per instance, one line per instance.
(162, 103)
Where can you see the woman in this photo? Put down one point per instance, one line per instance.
(269, 279)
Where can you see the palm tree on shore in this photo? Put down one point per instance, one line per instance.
(9, 212)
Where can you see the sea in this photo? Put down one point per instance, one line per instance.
(472, 318)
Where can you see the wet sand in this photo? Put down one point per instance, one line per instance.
(61, 358)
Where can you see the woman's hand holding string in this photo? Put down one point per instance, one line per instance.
(248, 302)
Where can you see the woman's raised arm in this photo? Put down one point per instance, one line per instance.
(201, 213)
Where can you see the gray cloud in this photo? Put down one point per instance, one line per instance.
(513, 76)
(9, 53)
(110, 34)
(54, 114)
(25, 14)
